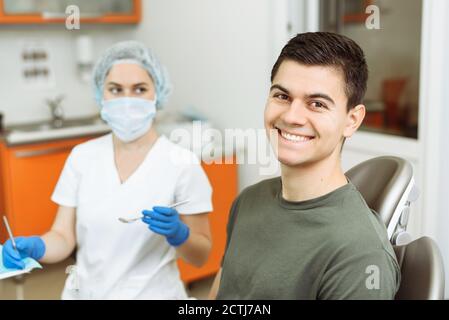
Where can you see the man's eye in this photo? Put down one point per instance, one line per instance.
(318, 105)
(281, 96)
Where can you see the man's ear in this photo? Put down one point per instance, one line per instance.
(354, 119)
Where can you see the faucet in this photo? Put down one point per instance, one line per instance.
(57, 112)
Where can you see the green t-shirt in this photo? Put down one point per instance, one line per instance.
(330, 247)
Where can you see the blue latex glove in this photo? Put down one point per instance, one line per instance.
(165, 221)
(27, 247)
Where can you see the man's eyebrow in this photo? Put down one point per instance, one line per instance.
(309, 96)
(279, 87)
(320, 95)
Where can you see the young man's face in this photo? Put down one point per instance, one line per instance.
(307, 108)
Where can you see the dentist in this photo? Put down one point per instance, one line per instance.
(132, 171)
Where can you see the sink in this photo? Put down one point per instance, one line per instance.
(48, 130)
(44, 126)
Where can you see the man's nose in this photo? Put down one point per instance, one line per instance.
(295, 114)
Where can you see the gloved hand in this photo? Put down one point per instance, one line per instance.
(165, 221)
(27, 247)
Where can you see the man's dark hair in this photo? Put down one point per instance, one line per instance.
(333, 50)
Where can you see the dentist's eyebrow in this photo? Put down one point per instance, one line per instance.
(140, 84)
(279, 87)
(114, 84)
(320, 95)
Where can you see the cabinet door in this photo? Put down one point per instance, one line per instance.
(32, 173)
(223, 178)
(54, 11)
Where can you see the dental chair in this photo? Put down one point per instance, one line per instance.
(387, 185)
(422, 270)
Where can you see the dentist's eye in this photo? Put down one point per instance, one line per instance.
(115, 90)
(140, 90)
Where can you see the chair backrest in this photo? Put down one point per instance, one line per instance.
(386, 184)
(422, 270)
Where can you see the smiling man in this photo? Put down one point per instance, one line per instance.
(309, 234)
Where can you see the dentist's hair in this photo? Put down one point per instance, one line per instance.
(333, 50)
(135, 52)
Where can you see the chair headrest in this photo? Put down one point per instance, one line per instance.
(382, 181)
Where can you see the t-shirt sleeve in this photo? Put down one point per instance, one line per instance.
(66, 190)
(194, 185)
(369, 275)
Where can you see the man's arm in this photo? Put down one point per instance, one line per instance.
(232, 215)
(215, 285)
(371, 275)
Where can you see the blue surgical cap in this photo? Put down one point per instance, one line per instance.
(132, 51)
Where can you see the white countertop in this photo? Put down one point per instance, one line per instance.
(20, 137)
(23, 134)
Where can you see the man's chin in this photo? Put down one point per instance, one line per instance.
(293, 162)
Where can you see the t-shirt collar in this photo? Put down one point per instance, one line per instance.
(320, 201)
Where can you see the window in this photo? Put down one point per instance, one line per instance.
(393, 56)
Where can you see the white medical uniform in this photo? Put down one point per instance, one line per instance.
(127, 261)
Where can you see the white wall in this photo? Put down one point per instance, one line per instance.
(441, 230)
(434, 130)
(21, 103)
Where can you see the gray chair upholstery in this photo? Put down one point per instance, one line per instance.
(387, 185)
(422, 270)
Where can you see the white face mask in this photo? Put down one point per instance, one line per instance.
(129, 118)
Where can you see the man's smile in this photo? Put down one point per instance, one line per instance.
(294, 137)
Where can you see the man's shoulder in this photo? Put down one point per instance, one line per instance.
(354, 225)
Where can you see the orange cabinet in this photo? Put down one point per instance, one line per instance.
(54, 11)
(28, 176)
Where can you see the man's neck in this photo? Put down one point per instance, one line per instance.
(312, 180)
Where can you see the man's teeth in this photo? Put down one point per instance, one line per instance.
(293, 137)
